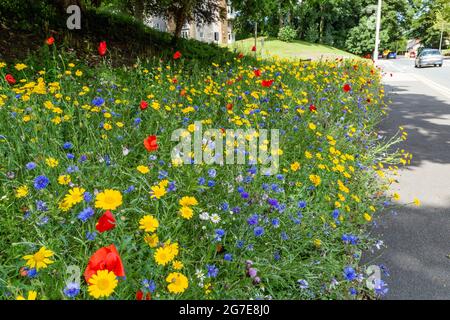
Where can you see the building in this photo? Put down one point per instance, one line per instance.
(220, 32)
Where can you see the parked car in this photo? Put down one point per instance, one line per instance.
(392, 55)
(429, 57)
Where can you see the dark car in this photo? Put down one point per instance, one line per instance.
(429, 57)
(392, 55)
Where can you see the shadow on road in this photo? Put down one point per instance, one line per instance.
(427, 122)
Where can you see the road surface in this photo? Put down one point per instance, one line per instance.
(417, 239)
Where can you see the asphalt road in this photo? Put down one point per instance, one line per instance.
(417, 239)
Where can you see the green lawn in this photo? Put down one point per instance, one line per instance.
(296, 49)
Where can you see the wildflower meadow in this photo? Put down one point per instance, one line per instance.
(94, 205)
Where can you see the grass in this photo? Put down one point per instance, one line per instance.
(293, 50)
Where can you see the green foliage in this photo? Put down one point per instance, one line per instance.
(287, 34)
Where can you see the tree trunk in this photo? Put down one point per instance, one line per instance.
(321, 24)
(179, 22)
(138, 9)
(62, 5)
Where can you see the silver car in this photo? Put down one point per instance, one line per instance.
(429, 57)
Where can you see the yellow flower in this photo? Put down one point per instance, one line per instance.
(21, 192)
(157, 192)
(163, 256)
(178, 282)
(108, 199)
(163, 183)
(315, 179)
(102, 284)
(143, 169)
(186, 212)
(396, 196)
(295, 166)
(64, 179)
(63, 206)
(74, 196)
(317, 243)
(188, 201)
(51, 162)
(177, 265)
(20, 66)
(107, 126)
(367, 216)
(416, 202)
(40, 259)
(31, 296)
(148, 223)
(151, 240)
(79, 73)
(312, 126)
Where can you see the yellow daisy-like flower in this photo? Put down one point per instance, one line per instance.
(416, 202)
(312, 126)
(102, 284)
(163, 255)
(157, 192)
(21, 192)
(152, 240)
(74, 196)
(40, 259)
(51, 162)
(172, 249)
(177, 265)
(295, 166)
(148, 223)
(186, 212)
(20, 66)
(143, 169)
(178, 282)
(108, 199)
(367, 217)
(78, 73)
(188, 201)
(163, 183)
(396, 196)
(32, 295)
(63, 206)
(315, 179)
(64, 179)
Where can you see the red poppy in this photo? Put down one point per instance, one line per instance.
(10, 79)
(312, 108)
(150, 143)
(177, 55)
(106, 222)
(106, 258)
(102, 48)
(229, 106)
(143, 105)
(267, 83)
(240, 55)
(174, 80)
(140, 295)
(347, 87)
(50, 41)
(254, 48)
(257, 72)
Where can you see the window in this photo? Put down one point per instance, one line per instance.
(185, 34)
(229, 36)
(216, 36)
(201, 34)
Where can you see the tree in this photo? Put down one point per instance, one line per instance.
(182, 11)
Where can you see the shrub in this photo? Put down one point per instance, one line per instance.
(287, 34)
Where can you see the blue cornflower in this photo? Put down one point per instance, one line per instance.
(224, 206)
(72, 169)
(303, 284)
(272, 202)
(32, 273)
(380, 287)
(244, 195)
(72, 289)
(240, 244)
(212, 173)
(149, 285)
(228, 257)
(41, 182)
(172, 186)
(201, 181)
(349, 273)
(211, 183)
(83, 158)
(350, 239)
(240, 189)
(91, 235)
(301, 204)
(253, 220)
(67, 145)
(353, 291)
(98, 101)
(335, 214)
(30, 165)
(212, 271)
(275, 222)
(87, 197)
(70, 156)
(41, 206)
(86, 214)
(162, 174)
(258, 231)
